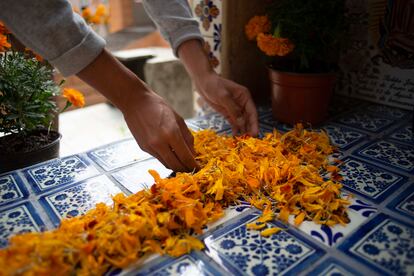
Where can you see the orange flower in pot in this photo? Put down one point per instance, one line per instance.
(301, 40)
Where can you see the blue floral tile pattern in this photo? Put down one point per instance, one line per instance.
(118, 154)
(385, 244)
(333, 267)
(18, 219)
(358, 213)
(246, 252)
(364, 121)
(368, 180)
(397, 155)
(59, 172)
(343, 137)
(79, 198)
(404, 202)
(11, 189)
(192, 264)
(404, 134)
(212, 121)
(137, 177)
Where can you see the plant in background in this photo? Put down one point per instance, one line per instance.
(301, 35)
(27, 100)
(99, 17)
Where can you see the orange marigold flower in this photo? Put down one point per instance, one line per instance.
(86, 13)
(100, 10)
(274, 46)
(4, 43)
(3, 29)
(256, 25)
(74, 97)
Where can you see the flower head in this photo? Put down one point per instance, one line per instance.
(274, 46)
(4, 43)
(3, 29)
(74, 97)
(257, 25)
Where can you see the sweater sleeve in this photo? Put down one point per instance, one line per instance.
(51, 29)
(175, 21)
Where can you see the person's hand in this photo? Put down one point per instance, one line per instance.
(160, 131)
(232, 100)
(227, 97)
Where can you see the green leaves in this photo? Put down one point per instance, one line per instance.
(26, 92)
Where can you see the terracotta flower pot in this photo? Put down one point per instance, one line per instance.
(301, 97)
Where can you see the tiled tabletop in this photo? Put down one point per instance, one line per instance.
(377, 148)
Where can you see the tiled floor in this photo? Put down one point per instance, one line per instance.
(374, 142)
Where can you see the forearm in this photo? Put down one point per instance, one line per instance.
(195, 60)
(51, 29)
(113, 80)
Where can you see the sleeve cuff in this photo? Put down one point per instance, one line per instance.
(184, 34)
(77, 58)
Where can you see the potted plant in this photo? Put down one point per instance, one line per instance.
(27, 107)
(301, 39)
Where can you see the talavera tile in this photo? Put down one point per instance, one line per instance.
(385, 244)
(245, 252)
(77, 199)
(12, 188)
(370, 181)
(59, 172)
(358, 213)
(18, 219)
(137, 177)
(404, 203)
(118, 154)
(389, 153)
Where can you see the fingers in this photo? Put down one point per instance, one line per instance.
(235, 114)
(186, 133)
(250, 112)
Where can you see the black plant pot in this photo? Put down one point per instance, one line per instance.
(15, 160)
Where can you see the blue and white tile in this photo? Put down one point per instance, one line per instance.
(118, 154)
(212, 121)
(358, 213)
(404, 134)
(389, 153)
(343, 137)
(333, 267)
(368, 180)
(404, 203)
(365, 121)
(190, 264)
(208, 14)
(137, 177)
(264, 111)
(245, 252)
(12, 188)
(386, 111)
(59, 172)
(229, 213)
(385, 244)
(268, 124)
(18, 219)
(79, 198)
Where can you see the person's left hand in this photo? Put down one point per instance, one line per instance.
(232, 100)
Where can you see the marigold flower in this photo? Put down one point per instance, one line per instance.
(256, 25)
(74, 97)
(86, 13)
(100, 10)
(274, 46)
(3, 29)
(4, 43)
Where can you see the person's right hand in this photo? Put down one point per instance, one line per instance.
(160, 131)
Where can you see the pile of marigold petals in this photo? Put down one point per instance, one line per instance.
(279, 174)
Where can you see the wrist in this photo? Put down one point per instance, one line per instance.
(195, 60)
